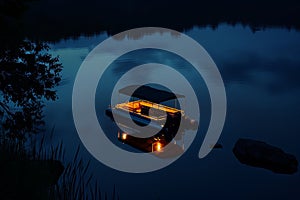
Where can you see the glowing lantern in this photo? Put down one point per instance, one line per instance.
(158, 146)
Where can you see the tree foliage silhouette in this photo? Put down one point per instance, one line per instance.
(28, 76)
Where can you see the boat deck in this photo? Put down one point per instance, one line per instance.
(148, 109)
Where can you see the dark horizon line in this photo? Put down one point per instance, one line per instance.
(51, 21)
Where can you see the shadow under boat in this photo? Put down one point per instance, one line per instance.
(167, 122)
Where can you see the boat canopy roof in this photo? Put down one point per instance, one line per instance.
(149, 93)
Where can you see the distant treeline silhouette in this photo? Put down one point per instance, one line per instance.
(52, 20)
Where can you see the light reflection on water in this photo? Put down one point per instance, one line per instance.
(260, 72)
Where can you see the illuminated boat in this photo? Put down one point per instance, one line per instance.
(144, 107)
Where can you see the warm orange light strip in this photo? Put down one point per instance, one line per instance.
(159, 107)
(130, 105)
(119, 106)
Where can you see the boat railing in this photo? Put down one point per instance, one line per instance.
(157, 114)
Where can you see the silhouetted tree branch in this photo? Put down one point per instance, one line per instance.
(28, 76)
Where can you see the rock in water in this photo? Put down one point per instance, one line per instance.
(260, 154)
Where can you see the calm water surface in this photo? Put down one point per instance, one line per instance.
(261, 75)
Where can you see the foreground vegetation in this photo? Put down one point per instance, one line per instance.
(33, 171)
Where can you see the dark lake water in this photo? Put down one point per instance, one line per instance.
(261, 76)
